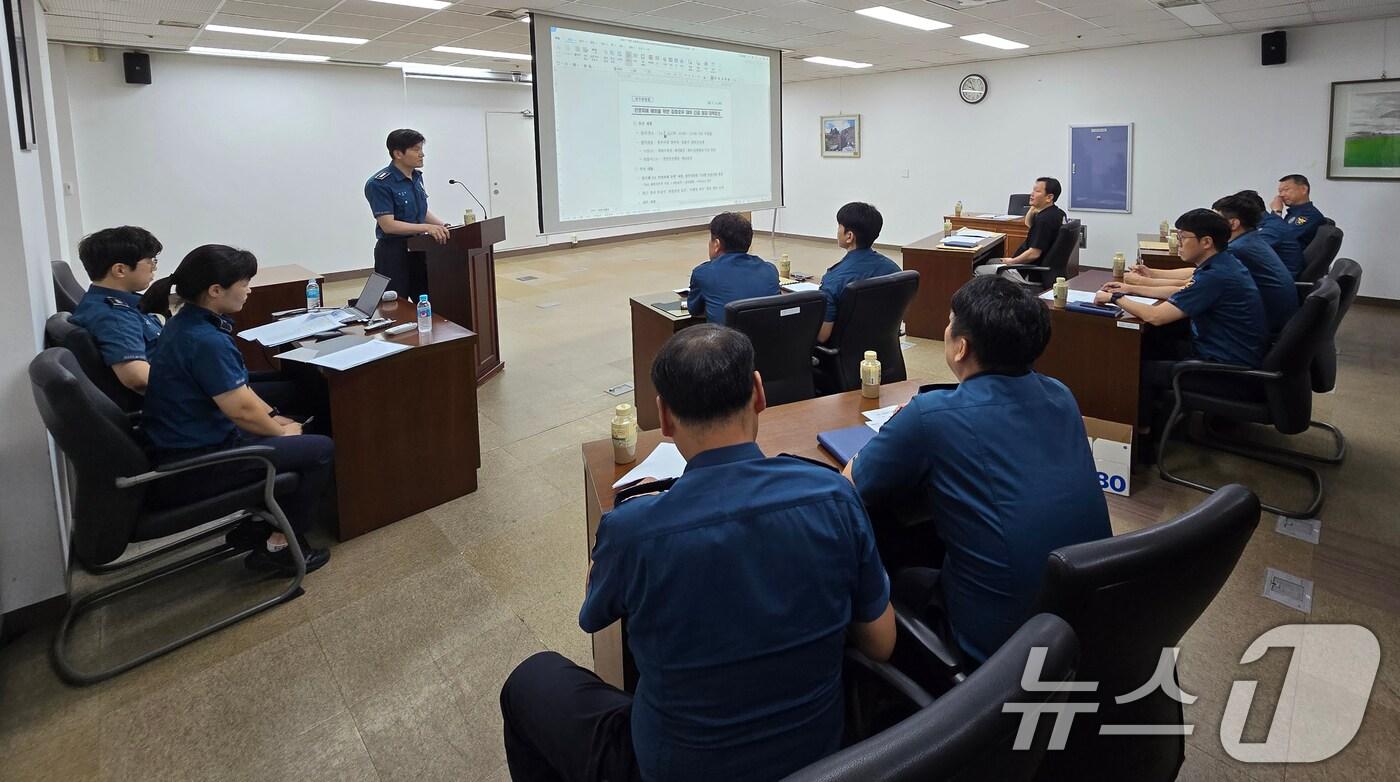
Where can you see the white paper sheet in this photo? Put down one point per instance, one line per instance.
(877, 418)
(664, 462)
(362, 353)
(798, 287)
(1087, 297)
(291, 329)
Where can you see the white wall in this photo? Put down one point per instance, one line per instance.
(1209, 121)
(269, 156)
(32, 540)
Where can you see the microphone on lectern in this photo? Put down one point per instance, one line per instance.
(484, 215)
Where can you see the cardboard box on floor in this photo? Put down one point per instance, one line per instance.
(1112, 445)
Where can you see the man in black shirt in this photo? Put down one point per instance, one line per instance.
(1044, 219)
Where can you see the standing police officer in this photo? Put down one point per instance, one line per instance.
(400, 206)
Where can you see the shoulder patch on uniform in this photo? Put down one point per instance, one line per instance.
(1299, 220)
(382, 175)
(113, 301)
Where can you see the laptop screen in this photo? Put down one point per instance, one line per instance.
(372, 293)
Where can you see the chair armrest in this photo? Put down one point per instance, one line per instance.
(823, 350)
(260, 453)
(1209, 367)
(943, 662)
(1023, 267)
(1304, 287)
(893, 677)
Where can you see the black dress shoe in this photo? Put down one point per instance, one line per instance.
(281, 563)
(248, 535)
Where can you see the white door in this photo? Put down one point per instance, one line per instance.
(510, 165)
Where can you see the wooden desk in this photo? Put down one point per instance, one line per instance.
(274, 289)
(1096, 357)
(942, 270)
(1158, 259)
(790, 428)
(651, 327)
(1014, 228)
(406, 435)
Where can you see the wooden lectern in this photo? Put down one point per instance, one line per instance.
(462, 284)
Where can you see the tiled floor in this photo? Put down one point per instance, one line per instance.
(389, 667)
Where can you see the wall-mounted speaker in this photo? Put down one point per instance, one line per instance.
(1273, 48)
(137, 66)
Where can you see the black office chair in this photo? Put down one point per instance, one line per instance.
(1347, 274)
(1054, 263)
(1018, 204)
(1128, 598)
(966, 734)
(1278, 394)
(66, 290)
(60, 332)
(783, 330)
(112, 508)
(867, 318)
(1320, 252)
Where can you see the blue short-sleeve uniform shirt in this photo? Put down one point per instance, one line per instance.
(114, 319)
(1280, 237)
(1227, 314)
(389, 192)
(1003, 463)
(860, 263)
(1271, 277)
(1303, 219)
(737, 585)
(195, 361)
(729, 277)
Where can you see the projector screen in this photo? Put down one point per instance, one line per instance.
(634, 126)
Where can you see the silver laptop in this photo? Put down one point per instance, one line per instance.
(368, 300)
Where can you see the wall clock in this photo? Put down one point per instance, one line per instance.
(973, 88)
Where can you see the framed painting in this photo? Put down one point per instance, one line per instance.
(1364, 139)
(841, 135)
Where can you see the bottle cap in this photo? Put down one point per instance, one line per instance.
(1059, 280)
(422, 297)
(622, 409)
(869, 355)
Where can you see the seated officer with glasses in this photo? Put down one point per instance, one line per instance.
(121, 262)
(1228, 323)
(741, 582)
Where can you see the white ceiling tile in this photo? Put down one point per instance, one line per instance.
(598, 13)
(259, 24)
(404, 13)
(692, 12)
(361, 22)
(752, 5)
(269, 11)
(803, 11)
(1298, 20)
(1276, 12)
(633, 6)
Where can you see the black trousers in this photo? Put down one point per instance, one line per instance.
(564, 724)
(407, 274)
(311, 456)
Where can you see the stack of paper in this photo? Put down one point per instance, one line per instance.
(1162, 246)
(345, 352)
(1087, 297)
(291, 329)
(798, 287)
(976, 233)
(963, 242)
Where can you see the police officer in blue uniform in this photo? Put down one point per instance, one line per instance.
(121, 262)
(858, 225)
(1249, 247)
(400, 206)
(1227, 319)
(1278, 235)
(199, 401)
(731, 273)
(1002, 462)
(1302, 217)
(740, 583)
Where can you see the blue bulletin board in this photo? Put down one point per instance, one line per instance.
(1101, 168)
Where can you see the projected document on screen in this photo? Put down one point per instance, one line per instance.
(635, 126)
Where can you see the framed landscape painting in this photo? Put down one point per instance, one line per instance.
(1364, 142)
(841, 136)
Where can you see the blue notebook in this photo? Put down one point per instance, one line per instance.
(843, 443)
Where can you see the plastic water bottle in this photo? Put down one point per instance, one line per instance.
(425, 314)
(870, 376)
(313, 294)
